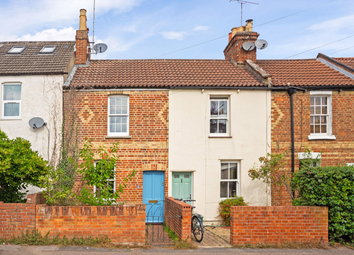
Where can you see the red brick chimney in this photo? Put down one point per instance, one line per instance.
(234, 51)
(82, 41)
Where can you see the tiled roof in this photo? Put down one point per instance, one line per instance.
(346, 61)
(304, 72)
(31, 62)
(162, 73)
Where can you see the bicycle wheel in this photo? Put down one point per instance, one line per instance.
(197, 229)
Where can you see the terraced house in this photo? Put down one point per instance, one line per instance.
(193, 128)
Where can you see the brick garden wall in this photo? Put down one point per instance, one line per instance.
(122, 224)
(16, 219)
(147, 147)
(334, 152)
(278, 224)
(178, 217)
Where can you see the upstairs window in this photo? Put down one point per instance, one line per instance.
(118, 116)
(219, 117)
(16, 50)
(11, 101)
(47, 49)
(321, 115)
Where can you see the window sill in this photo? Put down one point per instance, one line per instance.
(6, 119)
(321, 137)
(118, 137)
(220, 136)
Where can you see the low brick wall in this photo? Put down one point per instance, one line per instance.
(122, 224)
(178, 217)
(278, 224)
(16, 219)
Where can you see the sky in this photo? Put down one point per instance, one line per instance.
(186, 29)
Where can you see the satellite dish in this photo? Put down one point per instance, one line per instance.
(261, 44)
(36, 122)
(100, 47)
(247, 46)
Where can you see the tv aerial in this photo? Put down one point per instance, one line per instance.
(242, 2)
(36, 123)
(261, 44)
(99, 47)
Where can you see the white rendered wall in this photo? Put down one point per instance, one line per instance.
(41, 96)
(191, 149)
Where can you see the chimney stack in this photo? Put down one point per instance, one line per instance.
(234, 51)
(82, 41)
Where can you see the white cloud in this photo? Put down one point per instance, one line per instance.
(172, 35)
(201, 28)
(65, 34)
(335, 24)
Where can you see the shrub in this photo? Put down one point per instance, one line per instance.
(332, 187)
(225, 208)
(19, 166)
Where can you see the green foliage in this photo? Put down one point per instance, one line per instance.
(171, 234)
(59, 182)
(97, 174)
(332, 187)
(270, 171)
(19, 166)
(35, 238)
(225, 208)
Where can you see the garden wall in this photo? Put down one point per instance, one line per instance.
(122, 224)
(278, 224)
(178, 217)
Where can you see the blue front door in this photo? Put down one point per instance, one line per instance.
(154, 195)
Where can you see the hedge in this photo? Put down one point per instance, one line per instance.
(332, 187)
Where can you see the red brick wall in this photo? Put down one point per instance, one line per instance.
(16, 219)
(178, 217)
(146, 150)
(334, 152)
(122, 224)
(278, 224)
(81, 55)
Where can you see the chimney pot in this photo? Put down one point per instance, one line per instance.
(83, 20)
(249, 25)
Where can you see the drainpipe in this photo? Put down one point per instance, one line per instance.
(291, 92)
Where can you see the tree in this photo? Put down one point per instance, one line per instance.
(270, 171)
(19, 166)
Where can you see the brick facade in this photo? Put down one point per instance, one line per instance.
(334, 152)
(278, 225)
(178, 217)
(146, 148)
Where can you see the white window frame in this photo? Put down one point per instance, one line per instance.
(43, 50)
(313, 155)
(227, 118)
(3, 101)
(117, 134)
(230, 180)
(11, 51)
(108, 180)
(328, 135)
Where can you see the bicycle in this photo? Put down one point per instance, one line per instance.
(196, 223)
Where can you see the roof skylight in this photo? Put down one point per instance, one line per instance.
(48, 49)
(17, 50)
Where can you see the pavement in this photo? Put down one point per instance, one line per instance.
(72, 250)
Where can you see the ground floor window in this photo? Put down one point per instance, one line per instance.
(312, 159)
(229, 182)
(108, 181)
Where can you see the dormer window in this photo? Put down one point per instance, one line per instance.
(16, 50)
(48, 49)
